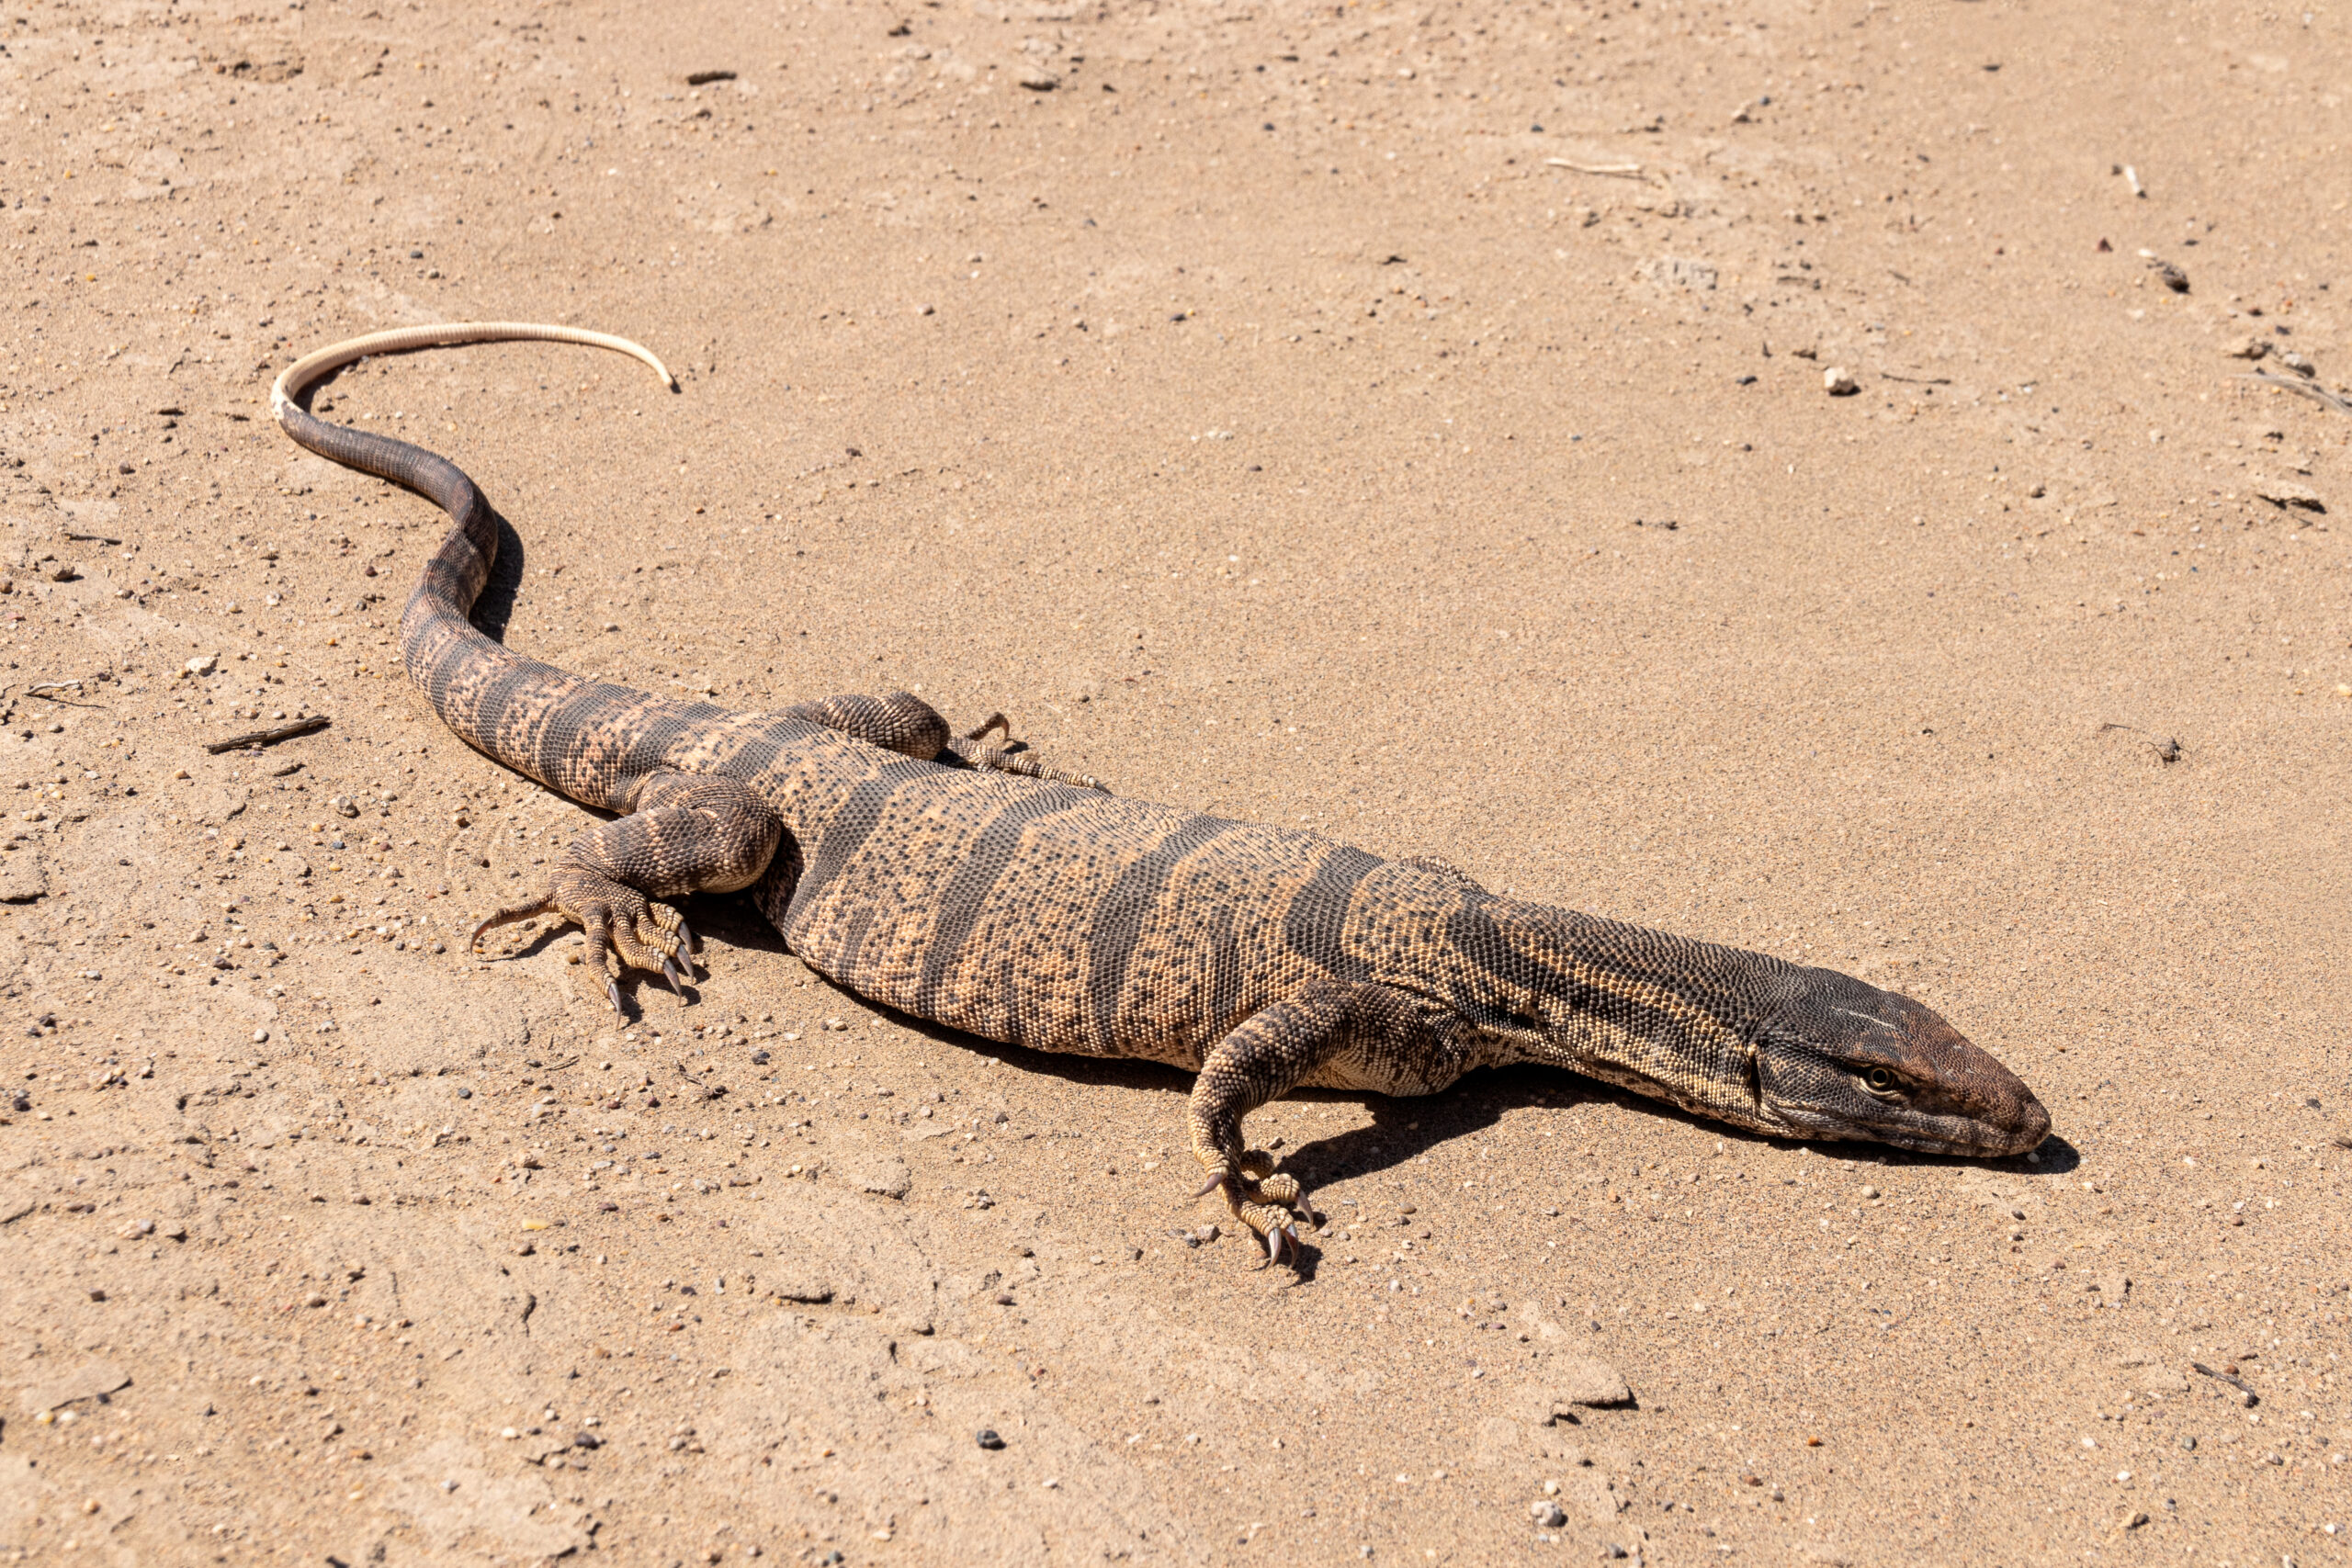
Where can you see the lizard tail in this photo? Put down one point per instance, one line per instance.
(489, 694)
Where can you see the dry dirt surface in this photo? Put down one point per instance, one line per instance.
(1861, 480)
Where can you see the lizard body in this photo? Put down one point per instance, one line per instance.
(966, 885)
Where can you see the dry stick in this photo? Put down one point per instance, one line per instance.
(267, 737)
(2237, 1383)
(1630, 171)
(2341, 405)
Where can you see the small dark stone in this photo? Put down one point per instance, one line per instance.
(986, 1437)
(759, 1058)
(586, 1441)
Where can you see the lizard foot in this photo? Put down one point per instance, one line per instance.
(1012, 757)
(1262, 1198)
(625, 930)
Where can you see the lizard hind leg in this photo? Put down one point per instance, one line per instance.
(1013, 756)
(689, 833)
(625, 929)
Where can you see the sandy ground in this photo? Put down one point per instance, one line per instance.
(1408, 420)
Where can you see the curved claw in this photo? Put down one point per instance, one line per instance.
(686, 939)
(1215, 1182)
(1274, 1244)
(512, 912)
(670, 974)
(612, 994)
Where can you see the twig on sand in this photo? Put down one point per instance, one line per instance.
(2308, 388)
(1624, 171)
(270, 736)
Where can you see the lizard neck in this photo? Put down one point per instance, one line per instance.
(1662, 1015)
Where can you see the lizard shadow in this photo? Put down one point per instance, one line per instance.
(1401, 1132)
(493, 610)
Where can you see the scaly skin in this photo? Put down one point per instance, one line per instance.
(971, 887)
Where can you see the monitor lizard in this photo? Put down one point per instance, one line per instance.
(963, 883)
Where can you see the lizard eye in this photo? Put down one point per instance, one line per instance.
(1882, 1082)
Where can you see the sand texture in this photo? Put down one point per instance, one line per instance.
(1864, 481)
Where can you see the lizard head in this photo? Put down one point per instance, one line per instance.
(1740, 1036)
(1835, 1057)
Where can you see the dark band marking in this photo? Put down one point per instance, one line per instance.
(850, 828)
(581, 716)
(1471, 934)
(1316, 924)
(1228, 978)
(966, 897)
(1117, 927)
(843, 965)
(758, 754)
(666, 724)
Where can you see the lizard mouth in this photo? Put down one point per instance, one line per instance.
(1929, 1134)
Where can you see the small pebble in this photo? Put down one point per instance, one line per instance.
(1838, 382)
(986, 1437)
(1870, 1192)
(1548, 1515)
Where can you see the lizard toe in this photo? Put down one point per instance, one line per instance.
(1271, 1224)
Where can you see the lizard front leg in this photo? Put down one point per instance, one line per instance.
(1353, 1032)
(685, 833)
